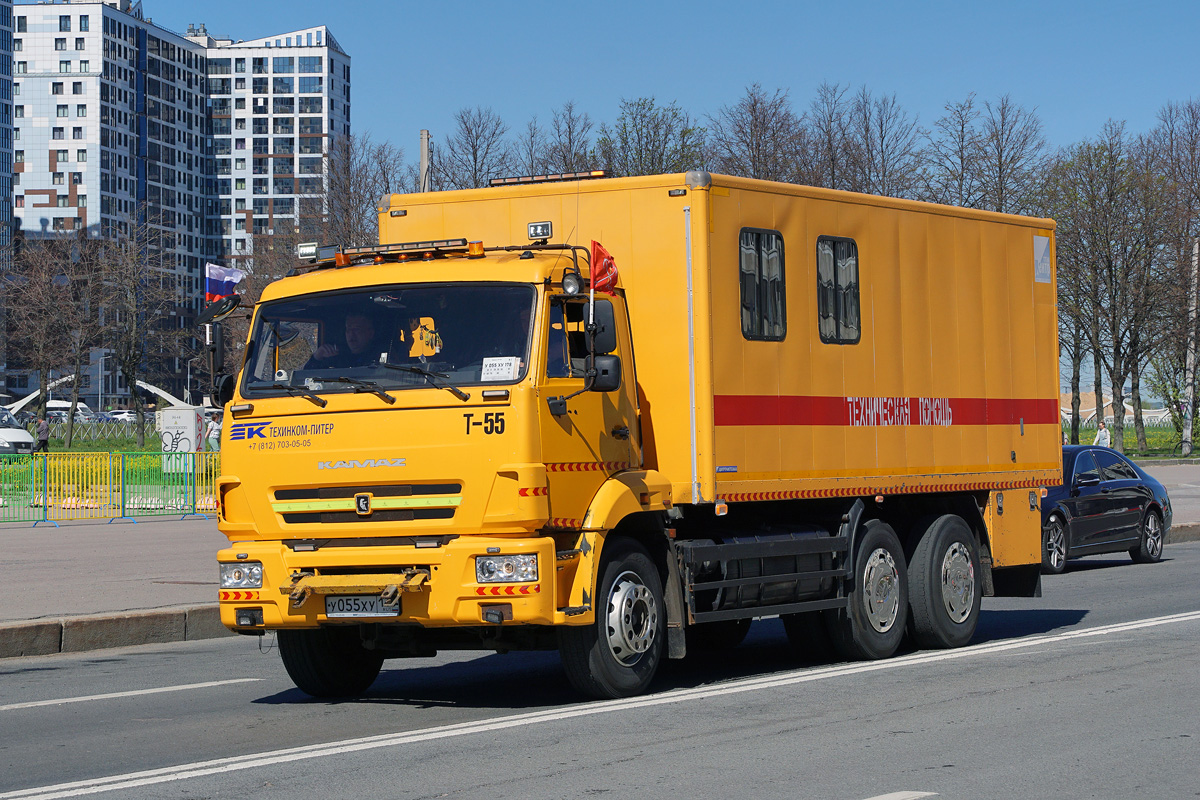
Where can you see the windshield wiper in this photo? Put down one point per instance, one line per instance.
(431, 376)
(296, 391)
(361, 386)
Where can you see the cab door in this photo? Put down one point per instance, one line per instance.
(597, 436)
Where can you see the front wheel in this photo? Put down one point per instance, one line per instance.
(619, 653)
(1054, 546)
(944, 583)
(872, 625)
(329, 661)
(1150, 548)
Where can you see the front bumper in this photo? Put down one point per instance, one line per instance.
(437, 586)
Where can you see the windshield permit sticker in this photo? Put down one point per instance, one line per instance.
(504, 368)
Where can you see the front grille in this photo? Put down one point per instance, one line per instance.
(390, 503)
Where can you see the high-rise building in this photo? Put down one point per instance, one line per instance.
(209, 140)
(6, 195)
(274, 104)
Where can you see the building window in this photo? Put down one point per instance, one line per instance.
(19, 201)
(18, 156)
(260, 86)
(85, 66)
(20, 25)
(259, 66)
(56, 87)
(81, 156)
(81, 110)
(77, 133)
(764, 312)
(61, 155)
(239, 184)
(76, 87)
(239, 224)
(63, 200)
(18, 45)
(311, 105)
(282, 85)
(239, 65)
(76, 178)
(79, 42)
(22, 67)
(64, 66)
(61, 111)
(283, 65)
(64, 23)
(239, 163)
(60, 44)
(58, 178)
(240, 102)
(81, 201)
(239, 124)
(240, 83)
(18, 112)
(83, 23)
(239, 144)
(838, 317)
(311, 64)
(58, 133)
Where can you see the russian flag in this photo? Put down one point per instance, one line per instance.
(220, 281)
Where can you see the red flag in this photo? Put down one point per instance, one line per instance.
(604, 269)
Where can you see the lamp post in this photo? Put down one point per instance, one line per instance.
(188, 394)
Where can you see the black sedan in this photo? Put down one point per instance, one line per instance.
(1107, 504)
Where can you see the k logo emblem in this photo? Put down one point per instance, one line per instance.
(362, 504)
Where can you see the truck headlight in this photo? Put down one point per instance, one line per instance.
(242, 575)
(506, 569)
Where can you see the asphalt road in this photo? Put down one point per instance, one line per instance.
(1088, 691)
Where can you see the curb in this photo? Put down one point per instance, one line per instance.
(100, 631)
(1188, 532)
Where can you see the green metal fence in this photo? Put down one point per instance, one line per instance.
(70, 486)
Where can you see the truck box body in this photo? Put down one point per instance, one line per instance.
(952, 386)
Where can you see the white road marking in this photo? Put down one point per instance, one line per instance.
(133, 693)
(133, 780)
(903, 796)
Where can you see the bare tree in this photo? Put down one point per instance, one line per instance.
(884, 144)
(954, 149)
(828, 124)
(530, 154)
(140, 295)
(359, 171)
(649, 139)
(35, 294)
(1014, 156)
(475, 152)
(757, 137)
(569, 148)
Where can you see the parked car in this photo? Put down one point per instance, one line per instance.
(1107, 504)
(124, 415)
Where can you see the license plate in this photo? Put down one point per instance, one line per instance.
(358, 605)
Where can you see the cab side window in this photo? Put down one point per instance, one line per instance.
(1085, 468)
(567, 341)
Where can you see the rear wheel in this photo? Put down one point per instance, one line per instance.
(872, 625)
(329, 662)
(944, 584)
(1054, 546)
(1150, 548)
(619, 653)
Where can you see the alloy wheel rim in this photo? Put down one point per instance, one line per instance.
(958, 582)
(1056, 545)
(1153, 536)
(881, 590)
(632, 620)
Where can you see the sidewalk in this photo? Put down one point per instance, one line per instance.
(89, 585)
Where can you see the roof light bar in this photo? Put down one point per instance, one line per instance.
(334, 255)
(549, 178)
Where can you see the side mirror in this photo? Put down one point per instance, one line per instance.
(224, 389)
(218, 309)
(606, 327)
(608, 374)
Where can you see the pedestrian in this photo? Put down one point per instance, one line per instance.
(43, 436)
(1102, 437)
(1066, 438)
(212, 433)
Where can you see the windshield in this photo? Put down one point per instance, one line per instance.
(389, 338)
(7, 420)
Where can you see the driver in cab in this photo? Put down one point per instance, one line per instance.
(360, 349)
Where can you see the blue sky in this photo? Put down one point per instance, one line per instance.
(415, 64)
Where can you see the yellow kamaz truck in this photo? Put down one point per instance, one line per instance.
(622, 418)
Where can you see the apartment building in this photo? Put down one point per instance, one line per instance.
(6, 195)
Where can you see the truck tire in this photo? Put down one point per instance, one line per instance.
(619, 653)
(945, 585)
(329, 661)
(715, 637)
(872, 625)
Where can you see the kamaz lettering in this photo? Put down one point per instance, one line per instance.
(370, 462)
